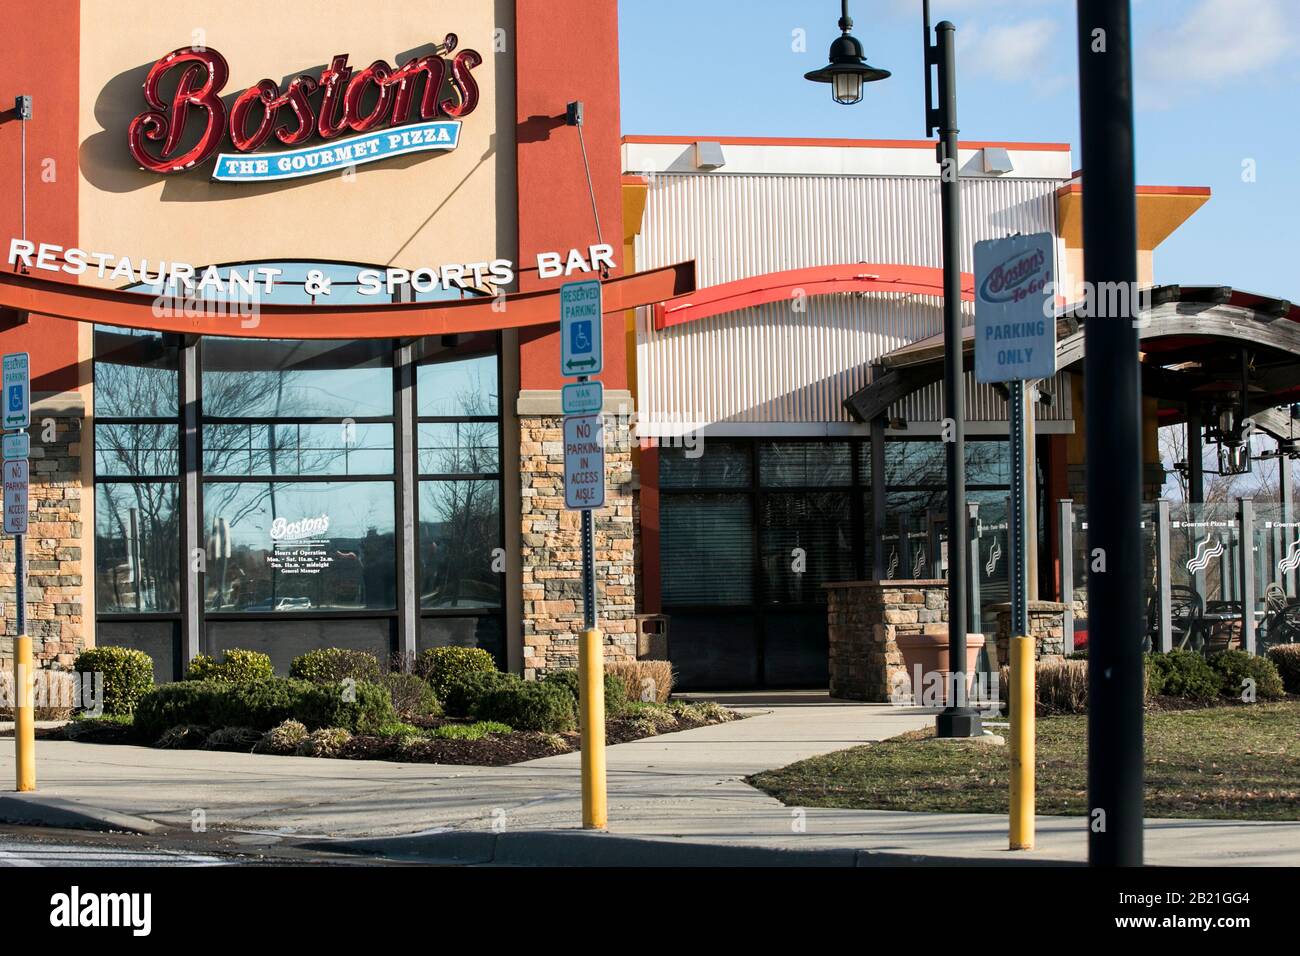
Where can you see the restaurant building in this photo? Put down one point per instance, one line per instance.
(341, 427)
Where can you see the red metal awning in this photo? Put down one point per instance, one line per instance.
(65, 300)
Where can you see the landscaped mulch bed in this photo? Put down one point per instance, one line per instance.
(494, 750)
(1236, 761)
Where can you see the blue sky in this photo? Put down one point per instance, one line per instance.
(1218, 91)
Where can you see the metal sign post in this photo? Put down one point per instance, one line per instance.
(582, 355)
(16, 402)
(1015, 340)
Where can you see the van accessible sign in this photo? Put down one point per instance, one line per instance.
(1015, 314)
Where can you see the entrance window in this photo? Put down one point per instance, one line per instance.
(461, 537)
(137, 472)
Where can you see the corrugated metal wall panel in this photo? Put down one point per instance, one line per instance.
(776, 364)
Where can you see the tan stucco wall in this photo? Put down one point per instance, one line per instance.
(417, 210)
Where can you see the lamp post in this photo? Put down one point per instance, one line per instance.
(847, 71)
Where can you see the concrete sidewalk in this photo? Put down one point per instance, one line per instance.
(684, 787)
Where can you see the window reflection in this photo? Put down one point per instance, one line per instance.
(458, 387)
(299, 546)
(136, 553)
(140, 450)
(266, 378)
(135, 374)
(460, 527)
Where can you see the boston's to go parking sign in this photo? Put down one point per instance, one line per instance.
(1015, 309)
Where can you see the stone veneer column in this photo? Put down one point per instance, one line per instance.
(551, 542)
(56, 584)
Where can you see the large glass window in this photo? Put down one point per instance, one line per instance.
(299, 481)
(137, 471)
(299, 546)
(461, 551)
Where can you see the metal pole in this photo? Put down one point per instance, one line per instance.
(24, 674)
(1114, 438)
(1018, 522)
(957, 719)
(1246, 555)
(1163, 593)
(1065, 515)
(1288, 514)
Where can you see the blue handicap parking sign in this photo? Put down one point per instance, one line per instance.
(15, 398)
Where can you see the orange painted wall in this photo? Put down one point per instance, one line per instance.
(561, 59)
(39, 53)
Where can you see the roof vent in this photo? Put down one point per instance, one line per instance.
(709, 155)
(997, 161)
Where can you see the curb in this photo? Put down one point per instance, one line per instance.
(34, 809)
(584, 848)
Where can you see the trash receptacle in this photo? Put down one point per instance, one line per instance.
(652, 637)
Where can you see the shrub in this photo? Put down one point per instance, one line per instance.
(645, 680)
(187, 702)
(116, 729)
(325, 742)
(616, 700)
(1286, 658)
(241, 739)
(466, 692)
(283, 738)
(326, 705)
(262, 705)
(442, 665)
(1237, 667)
(659, 716)
(184, 737)
(397, 729)
(1187, 675)
(330, 664)
(704, 711)
(54, 694)
(128, 675)
(412, 696)
(529, 705)
(236, 666)
(1062, 687)
(474, 731)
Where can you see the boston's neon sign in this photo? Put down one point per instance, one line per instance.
(349, 102)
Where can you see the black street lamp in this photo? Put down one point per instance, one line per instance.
(846, 73)
(848, 68)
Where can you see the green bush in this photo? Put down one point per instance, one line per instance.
(412, 696)
(128, 675)
(466, 692)
(1286, 658)
(474, 731)
(529, 705)
(330, 664)
(616, 699)
(235, 667)
(262, 705)
(442, 665)
(1185, 674)
(1237, 667)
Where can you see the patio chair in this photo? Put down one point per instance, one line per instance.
(1185, 617)
(1223, 634)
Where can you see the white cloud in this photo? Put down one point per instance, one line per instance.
(1217, 42)
(1007, 52)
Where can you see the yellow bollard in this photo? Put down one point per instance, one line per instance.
(1023, 698)
(24, 715)
(591, 707)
